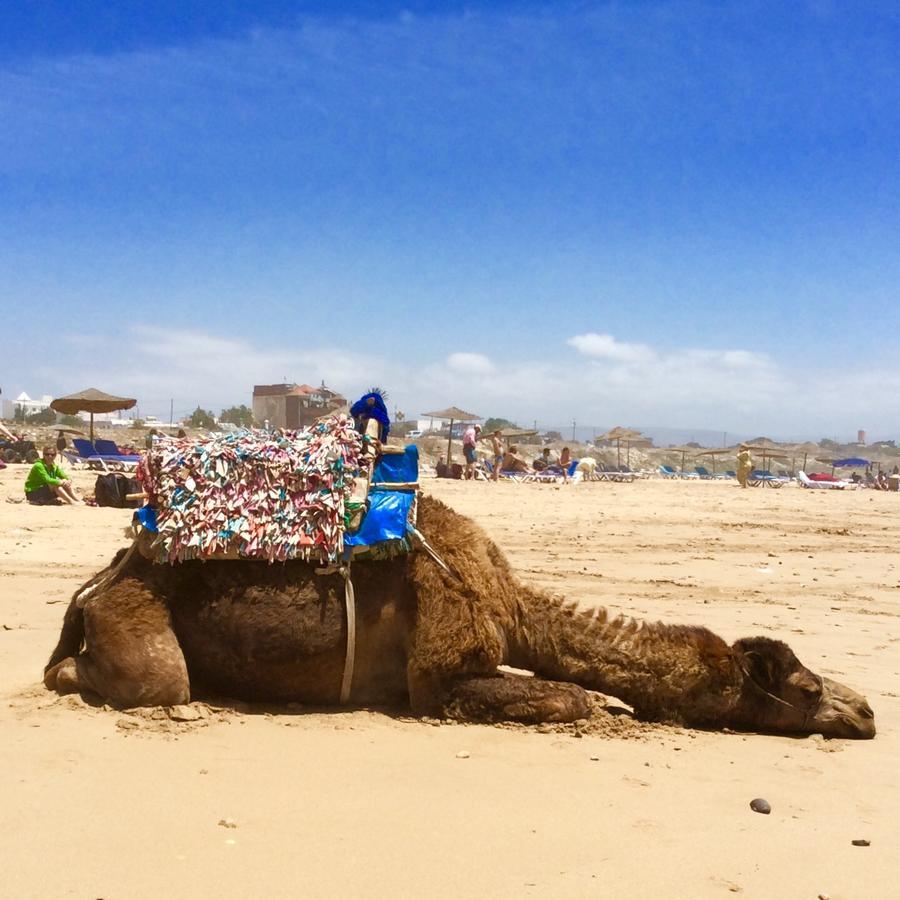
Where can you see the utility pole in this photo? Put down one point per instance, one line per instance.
(573, 431)
(171, 410)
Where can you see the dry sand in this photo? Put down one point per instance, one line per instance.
(100, 803)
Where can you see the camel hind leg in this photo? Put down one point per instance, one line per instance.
(132, 657)
(515, 698)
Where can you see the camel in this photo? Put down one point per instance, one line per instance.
(428, 641)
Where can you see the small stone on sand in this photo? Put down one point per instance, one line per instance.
(184, 713)
(761, 806)
(861, 842)
(463, 754)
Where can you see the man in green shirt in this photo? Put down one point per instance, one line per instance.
(47, 483)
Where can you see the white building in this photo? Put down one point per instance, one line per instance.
(26, 404)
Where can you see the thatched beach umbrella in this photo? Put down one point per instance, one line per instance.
(718, 451)
(454, 414)
(684, 449)
(629, 435)
(768, 449)
(805, 449)
(91, 401)
(516, 434)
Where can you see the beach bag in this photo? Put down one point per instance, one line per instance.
(112, 488)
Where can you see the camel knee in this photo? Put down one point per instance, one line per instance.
(63, 677)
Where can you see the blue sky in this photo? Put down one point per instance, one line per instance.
(668, 213)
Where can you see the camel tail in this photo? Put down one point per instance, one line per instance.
(71, 637)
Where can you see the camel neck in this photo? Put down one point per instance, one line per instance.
(666, 672)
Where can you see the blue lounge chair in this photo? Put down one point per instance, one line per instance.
(109, 450)
(703, 472)
(88, 453)
(667, 472)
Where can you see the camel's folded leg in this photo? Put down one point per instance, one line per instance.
(132, 657)
(514, 698)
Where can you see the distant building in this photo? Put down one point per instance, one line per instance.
(293, 405)
(861, 437)
(28, 406)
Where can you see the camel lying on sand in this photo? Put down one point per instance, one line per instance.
(427, 641)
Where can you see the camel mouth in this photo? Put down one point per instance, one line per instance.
(843, 713)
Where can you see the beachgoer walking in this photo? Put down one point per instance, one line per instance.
(47, 482)
(744, 465)
(565, 460)
(470, 436)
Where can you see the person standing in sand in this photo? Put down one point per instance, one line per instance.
(47, 483)
(497, 453)
(744, 465)
(470, 436)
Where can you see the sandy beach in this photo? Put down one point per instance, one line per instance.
(250, 802)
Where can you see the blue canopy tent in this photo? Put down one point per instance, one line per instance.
(851, 462)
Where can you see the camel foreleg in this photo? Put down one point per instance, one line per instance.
(515, 698)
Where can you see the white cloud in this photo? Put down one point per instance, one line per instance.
(605, 346)
(735, 390)
(474, 363)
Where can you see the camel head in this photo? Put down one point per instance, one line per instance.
(779, 694)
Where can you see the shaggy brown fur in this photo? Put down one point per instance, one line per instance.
(428, 639)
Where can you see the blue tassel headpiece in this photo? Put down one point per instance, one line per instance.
(372, 406)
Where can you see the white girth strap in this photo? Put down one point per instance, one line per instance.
(433, 553)
(350, 604)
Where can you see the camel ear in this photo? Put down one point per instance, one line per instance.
(762, 659)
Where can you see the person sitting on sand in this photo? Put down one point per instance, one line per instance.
(512, 462)
(47, 483)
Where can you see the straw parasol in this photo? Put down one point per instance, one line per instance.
(767, 448)
(454, 414)
(91, 401)
(805, 449)
(684, 449)
(718, 451)
(629, 435)
(510, 434)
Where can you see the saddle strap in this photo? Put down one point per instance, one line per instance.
(349, 656)
(350, 604)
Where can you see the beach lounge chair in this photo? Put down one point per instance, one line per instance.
(506, 475)
(703, 472)
(764, 478)
(88, 453)
(110, 449)
(667, 472)
(807, 482)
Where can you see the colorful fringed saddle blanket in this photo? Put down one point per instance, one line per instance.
(254, 495)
